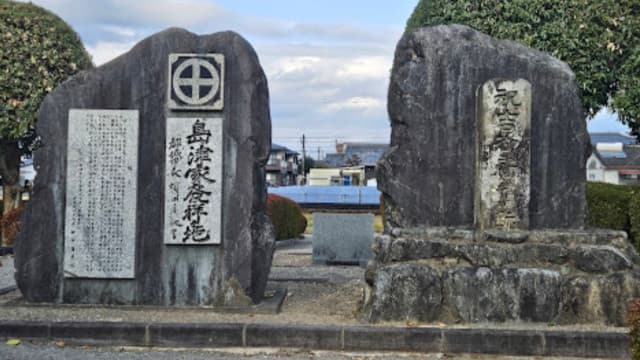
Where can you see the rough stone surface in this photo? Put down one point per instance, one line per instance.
(483, 294)
(164, 275)
(602, 298)
(342, 238)
(406, 292)
(432, 106)
(601, 259)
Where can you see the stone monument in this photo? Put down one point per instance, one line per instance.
(150, 186)
(484, 191)
(342, 238)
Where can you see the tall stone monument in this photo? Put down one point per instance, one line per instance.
(150, 186)
(484, 191)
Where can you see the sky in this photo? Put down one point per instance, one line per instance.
(327, 62)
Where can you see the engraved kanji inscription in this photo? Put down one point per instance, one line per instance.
(193, 176)
(101, 191)
(503, 166)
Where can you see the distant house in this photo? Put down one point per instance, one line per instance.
(614, 163)
(353, 154)
(282, 167)
(346, 176)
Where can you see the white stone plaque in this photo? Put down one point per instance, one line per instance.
(193, 181)
(100, 215)
(503, 163)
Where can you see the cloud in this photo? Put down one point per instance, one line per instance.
(119, 30)
(356, 103)
(138, 13)
(103, 52)
(328, 80)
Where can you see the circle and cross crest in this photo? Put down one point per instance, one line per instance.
(196, 81)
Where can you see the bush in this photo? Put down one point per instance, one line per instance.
(633, 318)
(286, 217)
(634, 217)
(608, 206)
(10, 225)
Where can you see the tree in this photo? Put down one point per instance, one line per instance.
(309, 163)
(600, 40)
(39, 51)
(354, 160)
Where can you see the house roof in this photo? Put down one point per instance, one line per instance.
(612, 137)
(629, 158)
(368, 153)
(277, 148)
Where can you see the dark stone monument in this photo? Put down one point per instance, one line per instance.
(342, 238)
(484, 191)
(151, 186)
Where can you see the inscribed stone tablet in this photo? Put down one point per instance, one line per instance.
(503, 164)
(193, 181)
(100, 217)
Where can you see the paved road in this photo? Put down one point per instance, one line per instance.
(50, 351)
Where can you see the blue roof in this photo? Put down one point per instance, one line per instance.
(613, 154)
(610, 137)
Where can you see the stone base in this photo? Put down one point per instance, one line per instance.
(454, 275)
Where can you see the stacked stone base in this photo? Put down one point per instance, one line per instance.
(458, 275)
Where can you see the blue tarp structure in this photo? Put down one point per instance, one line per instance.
(336, 195)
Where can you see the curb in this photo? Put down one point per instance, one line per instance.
(328, 337)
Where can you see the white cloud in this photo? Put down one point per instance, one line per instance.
(328, 80)
(374, 67)
(357, 103)
(103, 52)
(119, 30)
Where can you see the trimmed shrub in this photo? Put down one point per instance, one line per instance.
(634, 217)
(608, 206)
(286, 217)
(633, 318)
(10, 225)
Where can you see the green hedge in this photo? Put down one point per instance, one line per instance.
(286, 217)
(614, 207)
(633, 318)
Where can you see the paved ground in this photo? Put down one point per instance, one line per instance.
(29, 351)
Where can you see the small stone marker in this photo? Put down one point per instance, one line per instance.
(504, 160)
(193, 173)
(100, 218)
(342, 238)
(151, 186)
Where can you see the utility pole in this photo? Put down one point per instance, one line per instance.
(304, 155)
(318, 153)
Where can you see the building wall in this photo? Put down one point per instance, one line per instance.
(611, 177)
(324, 177)
(595, 169)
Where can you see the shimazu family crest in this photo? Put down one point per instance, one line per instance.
(196, 82)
